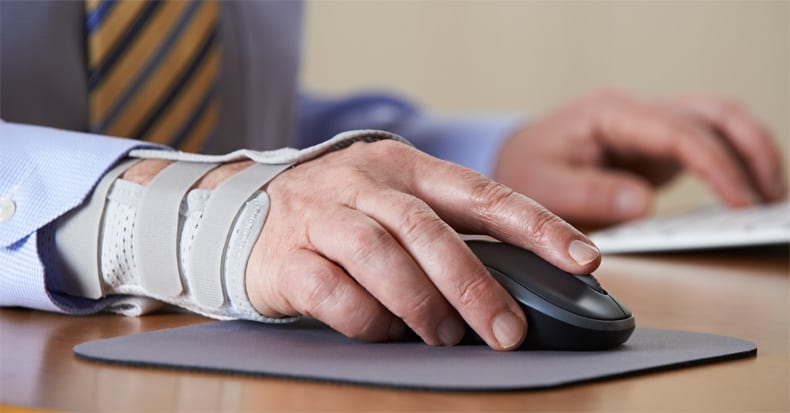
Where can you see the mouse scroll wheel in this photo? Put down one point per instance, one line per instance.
(592, 282)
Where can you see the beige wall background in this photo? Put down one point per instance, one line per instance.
(529, 56)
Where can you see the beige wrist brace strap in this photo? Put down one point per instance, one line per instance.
(150, 242)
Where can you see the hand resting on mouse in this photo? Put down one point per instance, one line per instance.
(366, 240)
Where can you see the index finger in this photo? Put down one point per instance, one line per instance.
(474, 204)
(626, 124)
(451, 267)
(749, 138)
(471, 203)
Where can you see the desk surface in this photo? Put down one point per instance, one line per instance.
(742, 294)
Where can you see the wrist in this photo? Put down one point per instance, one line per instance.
(143, 172)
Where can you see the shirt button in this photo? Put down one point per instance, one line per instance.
(7, 209)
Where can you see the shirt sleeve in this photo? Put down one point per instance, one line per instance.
(44, 173)
(471, 140)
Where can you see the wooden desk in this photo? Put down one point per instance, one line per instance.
(743, 295)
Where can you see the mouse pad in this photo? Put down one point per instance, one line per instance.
(309, 350)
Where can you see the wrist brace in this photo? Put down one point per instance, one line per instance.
(183, 247)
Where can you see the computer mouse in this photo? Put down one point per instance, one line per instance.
(564, 311)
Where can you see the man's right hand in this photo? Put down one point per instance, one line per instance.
(364, 239)
(609, 152)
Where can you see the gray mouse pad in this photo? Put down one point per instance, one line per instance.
(309, 350)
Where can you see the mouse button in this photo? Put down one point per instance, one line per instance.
(563, 293)
(520, 293)
(623, 307)
(567, 292)
(592, 282)
(600, 307)
(523, 266)
(522, 271)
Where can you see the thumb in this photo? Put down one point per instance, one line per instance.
(590, 195)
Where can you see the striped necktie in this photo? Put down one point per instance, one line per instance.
(152, 70)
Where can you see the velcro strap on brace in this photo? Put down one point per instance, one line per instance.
(77, 240)
(207, 256)
(156, 226)
(205, 271)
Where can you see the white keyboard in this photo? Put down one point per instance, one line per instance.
(708, 227)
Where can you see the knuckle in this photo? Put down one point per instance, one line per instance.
(366, 240)
(322, 286)
(367, 326)
(675, 137)
(356, 180)
(672, 132)
(390, 145)
(416, 309)
(489, 196)
(421, 224)
(388, 149)
(542, 226)
(352, 173)
(471, 292)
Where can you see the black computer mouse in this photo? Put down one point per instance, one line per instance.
(564, 311)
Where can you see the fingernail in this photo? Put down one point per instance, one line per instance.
(582, 252)
(451, 331)
(629, 202)
(508, 329)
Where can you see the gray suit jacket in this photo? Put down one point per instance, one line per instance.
(43, 73)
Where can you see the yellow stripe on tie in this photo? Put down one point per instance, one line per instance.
(114, 25)
(153, 69)
(90, 5)
(138, 54)
(157, 84)
(179, 112)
